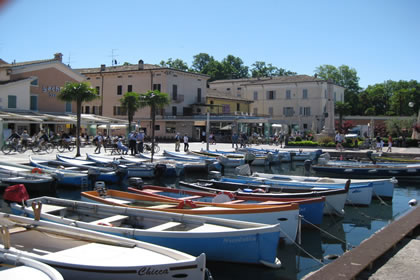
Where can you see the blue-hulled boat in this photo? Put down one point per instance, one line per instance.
(311, 209)
(220, 239)
(359, 194)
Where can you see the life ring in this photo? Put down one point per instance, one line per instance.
(37, 170)
(188, 203)
(229, 194)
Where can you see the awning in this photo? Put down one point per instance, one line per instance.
(276, 125)
(113, 126)
(227, 127)
(199, 123)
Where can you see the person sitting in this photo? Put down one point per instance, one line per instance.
(122, 147)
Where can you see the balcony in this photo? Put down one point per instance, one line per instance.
(179, 98)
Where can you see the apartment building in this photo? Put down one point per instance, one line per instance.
(297, 101)
(183, 88)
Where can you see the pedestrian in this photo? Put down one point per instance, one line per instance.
(378, 144)
(281, 139)
(338, 140)
(235, 140)
(177, 142)
(212, 139)
(389, 144)
(186, 145)
(132, 137)
(122, 147)
(203, 136)
(140, 141)
(98, 141)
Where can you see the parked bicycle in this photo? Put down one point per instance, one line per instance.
(11, 146)
(148, 148)
(65, 145)
(44, 146)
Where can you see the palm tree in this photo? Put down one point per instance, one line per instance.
(79, 92)
(342, 108)
(131, 103)
(156, 100)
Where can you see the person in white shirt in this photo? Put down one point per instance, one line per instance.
(186, 145)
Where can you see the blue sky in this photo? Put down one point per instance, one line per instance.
(380, 39)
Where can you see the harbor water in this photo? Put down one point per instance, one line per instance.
(319, 246)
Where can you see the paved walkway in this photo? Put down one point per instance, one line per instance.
(194, 146)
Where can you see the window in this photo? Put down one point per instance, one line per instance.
(255, 111)
(11, 101)
(98, 90)
(211, 102)
(34, 82)
(226, 109)
(130, 88)
(325, 94)
(288, 94)
(94, 110)
(305, 111)
(228, 89)
(157, 127)
(119, 90)
(199, 95)
(170, 127)
(305, 94)
(271, 94)
(238, 107)
(156, 87)
(174, 110)
(34, 103)
(239, 88)
(68, 107)
(270, 111)
(255, 95)
(288, 111)
(174, 92)
(119, 111)
(87, 110)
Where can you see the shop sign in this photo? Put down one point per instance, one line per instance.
(51, 90)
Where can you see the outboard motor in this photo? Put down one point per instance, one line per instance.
(93, 175)
(160, 170)
(243, 170)
(16, 193)
(318, 153)
(307, 163)
(100, 188)
(369, 156)
(249, 158)
(135, 182)
(215, 175)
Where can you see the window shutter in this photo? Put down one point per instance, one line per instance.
(267, 94)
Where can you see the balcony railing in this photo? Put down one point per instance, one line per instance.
(179, 98)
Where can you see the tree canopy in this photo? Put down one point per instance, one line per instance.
(78, 92)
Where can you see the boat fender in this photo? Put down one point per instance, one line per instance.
(230, 195)
(188, 203)
(36, 170)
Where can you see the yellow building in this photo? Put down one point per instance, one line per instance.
(226, 104)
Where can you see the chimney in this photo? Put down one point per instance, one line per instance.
(58, 56)
(141, 64)
(102, 67)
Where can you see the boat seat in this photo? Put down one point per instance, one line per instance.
(110, 220)
(191, 197)
(161, 206)
(116, 200)
(151, 191)
(211, 228)
(234, 201)
(47, 208)
(164, 226)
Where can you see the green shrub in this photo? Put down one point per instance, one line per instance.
(303, 143)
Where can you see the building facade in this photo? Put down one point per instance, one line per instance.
(299, 102)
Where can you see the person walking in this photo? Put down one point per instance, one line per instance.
(140, 141)
(389, 144)
(132, 137)
(203, 136)
(235, 140)
(338, 140)
(177, 142)
(98, 141)
(25, 138)
(186, 145)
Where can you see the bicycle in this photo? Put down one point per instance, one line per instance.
(64, 145)
(148, 148)
(11, 146)
(44, 146)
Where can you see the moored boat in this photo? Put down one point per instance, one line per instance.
(219, 239)
(84, 254)
(286, 214)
